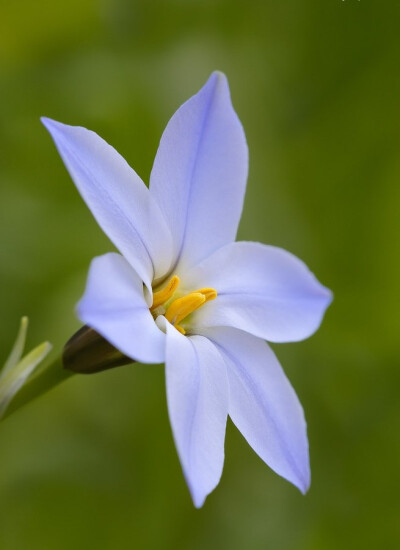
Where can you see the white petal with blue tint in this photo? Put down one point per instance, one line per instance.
(117, 197)
(200, 171)
(261, 289)
(263, 404)
(197, 394)
(114, 305)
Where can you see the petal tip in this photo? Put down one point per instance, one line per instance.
(198, 501)
(302, 480)
(327, 297)
(51, 125)
(304, 487)
(220, 81)
(47, 122)
(54, 126)
(198, 497)
(219, 76)
(217, 83)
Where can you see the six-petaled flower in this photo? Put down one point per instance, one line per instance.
(184, 293)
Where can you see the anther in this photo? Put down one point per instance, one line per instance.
(182, 307)
(163, 295)
(208, 293)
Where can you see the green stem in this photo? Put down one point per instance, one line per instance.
(40, 383)
(86, 353)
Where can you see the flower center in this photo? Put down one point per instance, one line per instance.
(176, 308)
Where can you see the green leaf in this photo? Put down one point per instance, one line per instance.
(17, 374)
(18, 348)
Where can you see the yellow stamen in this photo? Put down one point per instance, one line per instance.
(177, 309)
(163, 295)
(182, 307)
(208, 293)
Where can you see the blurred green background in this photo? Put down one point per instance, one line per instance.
(316, 85)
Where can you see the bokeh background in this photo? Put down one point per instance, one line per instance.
(316, 85)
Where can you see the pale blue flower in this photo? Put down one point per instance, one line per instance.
(184, 293)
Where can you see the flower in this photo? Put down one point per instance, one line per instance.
(184, 293)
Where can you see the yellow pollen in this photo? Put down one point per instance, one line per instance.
(163, 295)
(208, 293)
(182, 307)
(176, 310)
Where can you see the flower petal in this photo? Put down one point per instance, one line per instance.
(114, 305)
(261, 289)
(197, 395)
(263, 404)
(200, 171)
(117, 197)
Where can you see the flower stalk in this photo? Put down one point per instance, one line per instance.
(38, 384)
(22, 379)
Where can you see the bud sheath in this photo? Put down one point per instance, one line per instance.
(87, 352)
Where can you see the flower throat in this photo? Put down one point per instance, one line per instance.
(176, 309)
